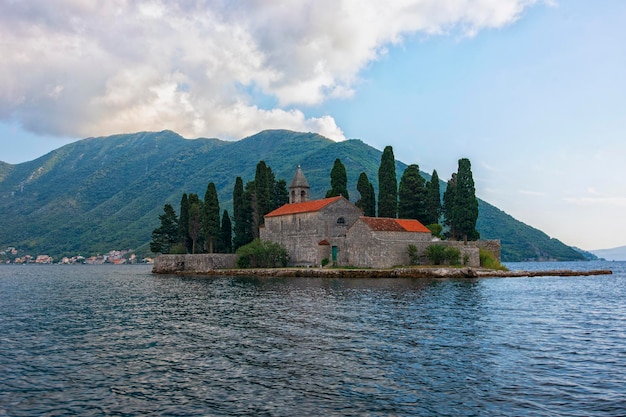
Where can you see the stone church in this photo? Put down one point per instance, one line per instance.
(336, 230)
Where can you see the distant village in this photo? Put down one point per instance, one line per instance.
(12, 255)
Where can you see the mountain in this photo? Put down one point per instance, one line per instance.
(613, 254)
(106, 193)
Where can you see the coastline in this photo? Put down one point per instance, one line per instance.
(420, 272)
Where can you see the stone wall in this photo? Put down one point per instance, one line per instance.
(492, 246)
(199, 263)
(380, 249)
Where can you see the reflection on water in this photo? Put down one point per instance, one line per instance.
(118, 340)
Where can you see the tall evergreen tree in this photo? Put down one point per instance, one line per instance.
(433, 199)
(166, 235)
(367, 202)
(242, 215)
(280, 194)
(183, 223)
(262, 191)
(211, 219)
(338, 181)
(195, 224)
(466, 203)
(387, 185)
(226, 234)
(449, 212)
(412, 194)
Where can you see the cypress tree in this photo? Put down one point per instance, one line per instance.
(226, 234)
(262, 192)
(166, 235)
(195, 199)
(242, 215)
(372, 202)
(280, 194)
(195, 224)
(412, 195)
(338, 181)
(211, 219)
(183, 223)
(387, 185)
(466, 203)
(367, 202)
(449, 200)
(433, 199)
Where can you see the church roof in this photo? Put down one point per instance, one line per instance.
(304, 207)
(299, 181)
(382, 224)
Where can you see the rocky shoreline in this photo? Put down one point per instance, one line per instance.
(420, 272)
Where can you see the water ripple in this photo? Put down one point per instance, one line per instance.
(119, 341)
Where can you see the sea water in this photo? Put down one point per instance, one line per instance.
(118, 340)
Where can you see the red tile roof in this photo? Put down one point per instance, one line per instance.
(306, 207)
(412, 225)
(381, 224)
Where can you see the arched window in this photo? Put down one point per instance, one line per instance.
(341, 220)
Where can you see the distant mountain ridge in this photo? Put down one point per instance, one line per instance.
(612, 254)
(105, 193)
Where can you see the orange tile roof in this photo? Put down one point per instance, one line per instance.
(306, 207)
(412, 225)
(382, 224)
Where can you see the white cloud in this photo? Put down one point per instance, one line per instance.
(83, 67)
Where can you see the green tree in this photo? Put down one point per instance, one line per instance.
(433, 199)
(195, 224)
(338, 181)
(412, 195)
(280, 194)
(211, 219)
(448, 206)
(242, 215)
(387, 185)
(466, 203)
(262, 203)
(183, 223)
(367, 202)
(226, 234)
(460, 204)
(166, 235)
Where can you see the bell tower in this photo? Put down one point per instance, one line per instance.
(299, 188)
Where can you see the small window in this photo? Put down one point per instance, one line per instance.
(341, 220)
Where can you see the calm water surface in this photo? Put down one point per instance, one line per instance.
(117, 340)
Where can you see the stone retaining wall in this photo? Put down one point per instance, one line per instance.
(199, 263)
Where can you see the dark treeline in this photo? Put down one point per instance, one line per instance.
(199, 228)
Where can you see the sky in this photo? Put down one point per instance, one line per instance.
(533, 92)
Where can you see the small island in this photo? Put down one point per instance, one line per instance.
(335, 238)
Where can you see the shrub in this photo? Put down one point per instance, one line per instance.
(436, 254)
(435, 229)
(262, 254)
(452, 255)
(488, 260)
(325, 262)
(414, 258)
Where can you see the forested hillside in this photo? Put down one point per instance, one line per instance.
(106, 193)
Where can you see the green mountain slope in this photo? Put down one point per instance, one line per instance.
(99, 194)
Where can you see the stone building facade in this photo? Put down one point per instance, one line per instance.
(335, 230)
